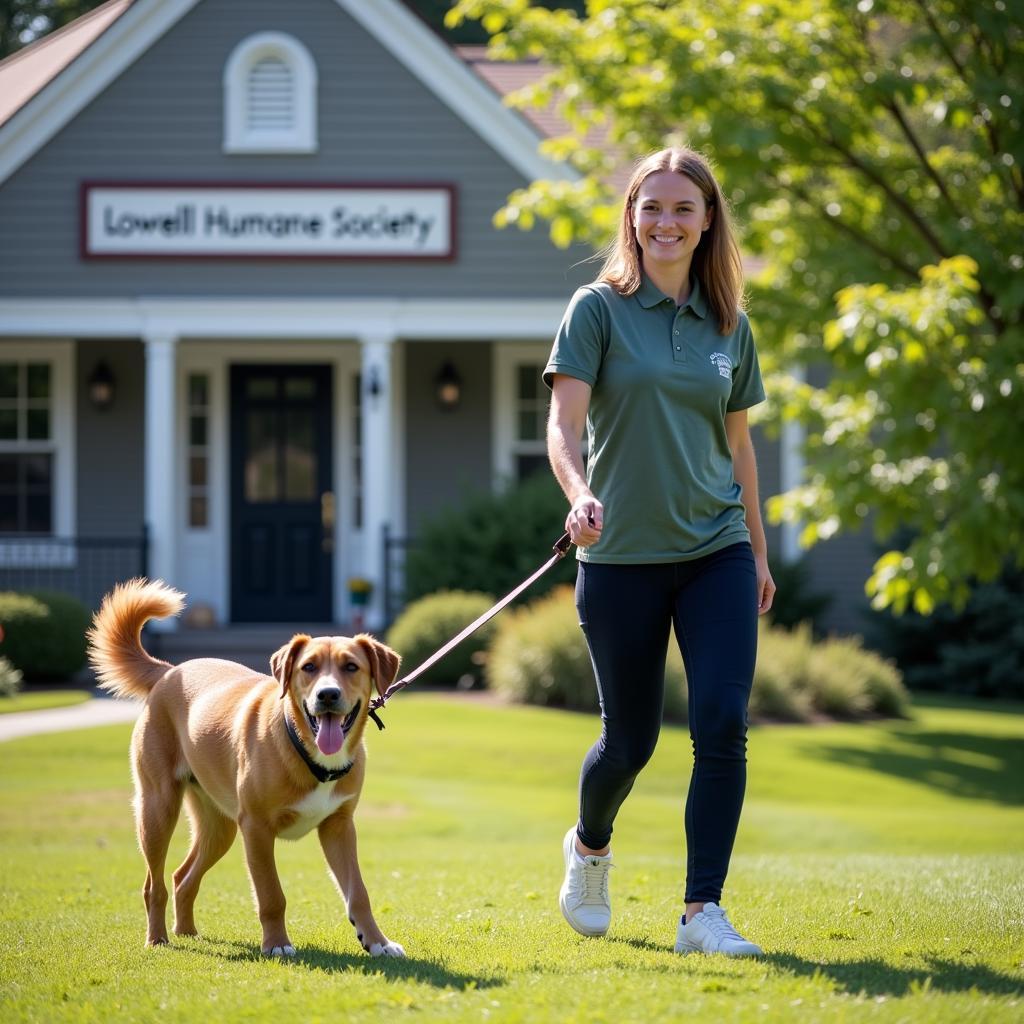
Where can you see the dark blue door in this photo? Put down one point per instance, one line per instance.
(282, 508)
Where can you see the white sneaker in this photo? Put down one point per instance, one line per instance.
(584, 893)
(711, 932)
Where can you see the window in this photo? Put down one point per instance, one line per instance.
(520, 405)
(198, 451)
(531, 404)
(270, 84)
(26, 455)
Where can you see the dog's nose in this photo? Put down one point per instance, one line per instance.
(328, 695)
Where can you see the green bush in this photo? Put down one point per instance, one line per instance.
(492, 542)
(782, 686)
(800, 602)
(977, 650)
(44, 633)
(10, 679)
(539, 656)
(428, 624)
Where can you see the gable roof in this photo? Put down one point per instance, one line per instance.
(45, 85)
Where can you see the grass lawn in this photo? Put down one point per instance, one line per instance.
(881, 866)
(42, 700)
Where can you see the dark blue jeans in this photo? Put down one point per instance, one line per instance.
(626, 612)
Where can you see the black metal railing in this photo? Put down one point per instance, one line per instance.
(85, 567)
(395, 549)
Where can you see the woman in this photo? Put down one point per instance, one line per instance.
(656, 359)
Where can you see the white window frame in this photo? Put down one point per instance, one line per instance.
(33, 550)
(508, 358)
(302, 136)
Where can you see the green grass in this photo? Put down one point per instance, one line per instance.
(880, 866)
(42, 700)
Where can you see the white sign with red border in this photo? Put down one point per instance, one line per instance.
(268, 221)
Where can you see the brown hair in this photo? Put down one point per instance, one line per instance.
(716, 260)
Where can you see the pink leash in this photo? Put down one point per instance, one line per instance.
(560, 548)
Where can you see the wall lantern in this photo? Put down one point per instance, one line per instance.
(448, 387)
(102, 386)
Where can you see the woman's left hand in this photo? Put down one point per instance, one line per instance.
(765, 585)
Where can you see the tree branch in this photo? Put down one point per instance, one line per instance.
(994, 143)
(848, 229)
(893, 106)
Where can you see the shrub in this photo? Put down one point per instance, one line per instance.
(800, 602)
(10, 679)
(540, 656)
(782, 687)
(44, 633)
(428, 624)
(977, 650)
(492, 542)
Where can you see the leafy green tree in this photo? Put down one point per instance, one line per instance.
(22, 21)
(873, 150)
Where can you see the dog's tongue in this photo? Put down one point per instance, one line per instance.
(330, 736)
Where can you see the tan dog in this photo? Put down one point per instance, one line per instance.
(218, 735)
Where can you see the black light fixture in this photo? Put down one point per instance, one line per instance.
(448, 387)
(102, 386)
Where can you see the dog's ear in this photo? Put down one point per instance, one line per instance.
(282, 661)
(384, 662)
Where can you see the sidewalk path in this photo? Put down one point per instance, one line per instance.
(98, 711)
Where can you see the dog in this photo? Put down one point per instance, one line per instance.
(273, 756)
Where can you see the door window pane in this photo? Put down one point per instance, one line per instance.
(261, 475)
(300, 456)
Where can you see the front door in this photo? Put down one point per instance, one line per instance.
(282, 508)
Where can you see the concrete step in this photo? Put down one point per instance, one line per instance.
(248, 644)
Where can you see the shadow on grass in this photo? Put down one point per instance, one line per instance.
(967, 765)
(330, 961)
(877, 978)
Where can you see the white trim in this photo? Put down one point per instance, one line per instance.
(207, 559)
(298, 318)
(791, 474)
(394, 26)
(113, 52)
(301, 135)
(507, 358)
(459, 87)
(60, 354)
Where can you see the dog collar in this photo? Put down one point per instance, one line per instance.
(320, 773)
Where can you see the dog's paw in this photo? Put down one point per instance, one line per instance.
(280, 951)
(386, 948)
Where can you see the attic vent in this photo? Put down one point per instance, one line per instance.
(270, 99)
(270, 96)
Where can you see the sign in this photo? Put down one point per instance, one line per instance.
(268, 221)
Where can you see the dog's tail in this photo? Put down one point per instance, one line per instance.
(115, 641)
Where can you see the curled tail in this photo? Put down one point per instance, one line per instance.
(115, 646)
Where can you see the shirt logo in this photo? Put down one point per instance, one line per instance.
(724, 364)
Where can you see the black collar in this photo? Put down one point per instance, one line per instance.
(320, 773)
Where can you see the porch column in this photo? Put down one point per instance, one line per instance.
(377, 431)
(161, 494)
(791, 474)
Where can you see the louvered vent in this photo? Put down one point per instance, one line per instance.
(270, 100)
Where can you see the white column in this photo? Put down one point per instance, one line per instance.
(378, 430)
(161, 494)
(791, 474)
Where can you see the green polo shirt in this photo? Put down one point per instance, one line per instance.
(662, 380)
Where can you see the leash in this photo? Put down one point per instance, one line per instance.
(560, 548)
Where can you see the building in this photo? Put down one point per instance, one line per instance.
(253, 307)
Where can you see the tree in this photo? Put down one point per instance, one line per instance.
(22, 21)
(874, 151)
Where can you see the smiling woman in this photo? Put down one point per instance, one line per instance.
(657, 360)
